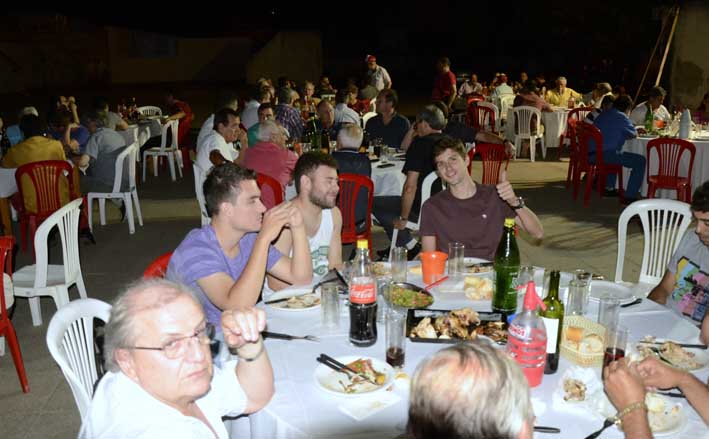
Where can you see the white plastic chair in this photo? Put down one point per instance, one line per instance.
(44, 279)
(172, 153)
(366, 117)
(495, 110)
(150, 110)
(199, 178)
(127, 156)
(425, 195)
(664, 224)
(506, 102)
(523, 129)
(70, 339)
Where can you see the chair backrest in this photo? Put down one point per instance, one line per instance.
(158, 267)
(664, 223)
(579, 114)
(523, 115)
(492, 156)
(150, 110)
(6, 300)
(67, 220)
(426, 190)
(70, 339)
(46, 177)
(273, 191)
(506, 102)
(572, 136)
(669, 156)
(350, 185)
(495, 110)
(127, 157)
(481, 116)
(589, 136)
(366, 117)
(199, 178)
(172, 126)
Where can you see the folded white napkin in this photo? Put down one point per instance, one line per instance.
(362, 408)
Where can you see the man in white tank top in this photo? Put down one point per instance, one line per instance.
(317, 185)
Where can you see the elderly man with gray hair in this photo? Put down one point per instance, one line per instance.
(161, 381)
(394, 211)
(560, 95)
(350, 161)
(469, 390)
(287, 115)
(270, 155)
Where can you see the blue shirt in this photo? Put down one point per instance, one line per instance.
(80, 134)
(616, 128)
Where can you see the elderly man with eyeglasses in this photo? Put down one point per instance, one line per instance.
(161, 381)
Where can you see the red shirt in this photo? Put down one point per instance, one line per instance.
(185, 122)
(272, 160)
(443, 86)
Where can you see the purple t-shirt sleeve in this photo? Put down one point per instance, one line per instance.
(247, 246)
(196, 257)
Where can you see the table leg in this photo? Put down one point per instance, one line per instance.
(5, 216)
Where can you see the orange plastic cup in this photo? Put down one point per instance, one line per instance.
(433, 265)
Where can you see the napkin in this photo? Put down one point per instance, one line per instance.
(362, 408)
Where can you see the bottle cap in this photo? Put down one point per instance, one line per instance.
(362, 243)
(531, 300)
(509, 222)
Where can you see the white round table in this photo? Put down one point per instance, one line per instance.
(388, 181)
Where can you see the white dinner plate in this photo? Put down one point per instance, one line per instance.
(701, 356)
(672, 422)
(290, 292)
(328, 380)
(600, 288)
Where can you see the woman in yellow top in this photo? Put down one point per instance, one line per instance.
(560, 95)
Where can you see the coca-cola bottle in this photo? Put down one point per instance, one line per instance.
(363, 299)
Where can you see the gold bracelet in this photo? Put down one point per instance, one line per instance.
(618, 418)
(258, 354)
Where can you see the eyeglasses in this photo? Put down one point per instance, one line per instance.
(176, 348)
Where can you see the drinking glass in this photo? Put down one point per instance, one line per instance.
(306, 147)
(383, 283)
(526, 275)
(585, 278)
(615, 343)
(398, 264)
(395, 338)
(609, 311)
(576, 299)
(330, 306)
(456, 256)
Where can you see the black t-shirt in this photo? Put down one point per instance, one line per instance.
(393, 134)
(419, 158)
(460, 131)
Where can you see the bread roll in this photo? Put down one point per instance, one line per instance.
(591, 344)
(574, 334)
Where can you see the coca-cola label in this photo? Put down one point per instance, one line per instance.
(363, 293)
(519, 332)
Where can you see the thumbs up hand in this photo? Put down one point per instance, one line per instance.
(505, 191)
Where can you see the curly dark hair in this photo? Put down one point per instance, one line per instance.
(700, 198)
(222, 184)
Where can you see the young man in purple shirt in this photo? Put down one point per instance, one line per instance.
(225, 262)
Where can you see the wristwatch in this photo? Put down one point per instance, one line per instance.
(520, 204)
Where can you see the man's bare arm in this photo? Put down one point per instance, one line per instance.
(662, 291)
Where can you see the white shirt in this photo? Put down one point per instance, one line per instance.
(639, 112)
(214, 141)
(344, 114)
(122, 409)
(502, 89)
(207, 128)
(249, 116)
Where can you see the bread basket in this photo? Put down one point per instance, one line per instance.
(569, 349)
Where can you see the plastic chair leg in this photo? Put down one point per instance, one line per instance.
(36, 311)
(532, 148)
(102, 210)
(129, 214)
(14, 346)
(137, 206)
(589, 186)
(145, 165)
(155, 166)
(171, 159)
(90, 212)
(81, 287)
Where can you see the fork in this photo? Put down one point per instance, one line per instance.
(280, 336)
(607, 423)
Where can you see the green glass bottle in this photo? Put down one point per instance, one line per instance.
(506, 271)
(314, 136)
(649, 118)
(553, 318)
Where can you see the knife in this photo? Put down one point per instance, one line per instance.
(284, 299)
(547, 429)
(684, 345)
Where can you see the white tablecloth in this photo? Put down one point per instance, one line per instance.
(8, 186)
(388, 181)
(554, 123)
(146, 129)
(700, 170)
(300, 409)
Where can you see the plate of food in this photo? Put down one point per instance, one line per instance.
(477, 266)
(406, 295)
(454, 326)
(350, 385)
(664, 416)
(296, 299)
(689, 359)
(381, 268)
(601, 288)
(577, 385)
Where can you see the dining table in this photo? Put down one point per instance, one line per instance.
(387, 177)
(302, 408)
(8, 187)
(147, 128)
(700, 168)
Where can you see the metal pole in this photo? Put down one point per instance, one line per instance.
(667, 47)
(652, 55)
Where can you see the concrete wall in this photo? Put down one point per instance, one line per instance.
(175, 59)
(690, 54)
(297, 55)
